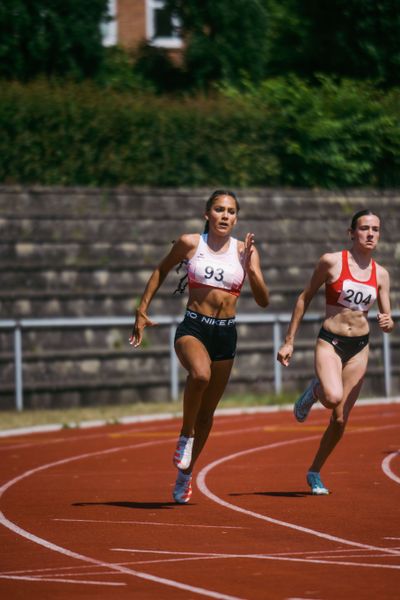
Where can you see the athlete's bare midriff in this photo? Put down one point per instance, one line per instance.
(212, 302)
(344, 321)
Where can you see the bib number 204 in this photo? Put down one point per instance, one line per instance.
(356, 297)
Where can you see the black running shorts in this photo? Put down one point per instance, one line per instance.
(219, 336)
(345, 347)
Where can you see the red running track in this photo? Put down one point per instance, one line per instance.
(87, 513)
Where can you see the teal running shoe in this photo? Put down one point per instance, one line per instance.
(316, 485)
(303, 405)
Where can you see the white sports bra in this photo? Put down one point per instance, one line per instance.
(222, 271)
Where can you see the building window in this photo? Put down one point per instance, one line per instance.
(162, 25)
(109, 30)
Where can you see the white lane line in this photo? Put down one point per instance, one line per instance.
(49, 545)
(334, 562)
(75, 555)
(84, 425)
(298, 598)
(346, 563)
(201, 483)
(220, 413)
(263, 557)
(369, 555)
(386, 468)
(273, 557)
(171, 416)
(88, 436)
(148, 523)
(58, 580)
(56, 571)
(173, 552)
(342, 553)
(84, 570)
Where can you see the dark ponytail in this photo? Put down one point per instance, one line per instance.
(182, 283)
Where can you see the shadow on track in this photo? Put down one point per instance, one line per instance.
(145, 505)
(277, 494)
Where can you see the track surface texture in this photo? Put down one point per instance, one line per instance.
(88, 513)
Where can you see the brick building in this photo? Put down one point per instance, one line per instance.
(134, 21)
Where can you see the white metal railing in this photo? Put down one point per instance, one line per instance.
(277, 320)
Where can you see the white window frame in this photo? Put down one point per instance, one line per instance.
(159, 42)
(109, 29)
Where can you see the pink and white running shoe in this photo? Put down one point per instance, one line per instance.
(183, 452)
(183, 488)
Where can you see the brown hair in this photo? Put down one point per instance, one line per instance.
(359, 214)
(214, 196)
(182, 283)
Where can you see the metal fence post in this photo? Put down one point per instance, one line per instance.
(19, 395)
(387, 365)
(174, 385)
(277, 364)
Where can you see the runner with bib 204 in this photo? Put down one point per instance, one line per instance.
(353, 282)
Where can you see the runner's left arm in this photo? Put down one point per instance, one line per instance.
(252, 267)
(384, 317)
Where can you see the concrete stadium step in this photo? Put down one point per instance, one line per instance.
(43, 304)
(113, 230)
(86, 254)
(93, 279)
(139, 201)
(38, 254)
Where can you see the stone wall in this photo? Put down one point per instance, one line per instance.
(68, 252)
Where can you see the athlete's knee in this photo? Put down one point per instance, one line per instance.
(332, 398)
(200, 377)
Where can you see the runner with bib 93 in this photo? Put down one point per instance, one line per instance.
(353, 281)
(205, 341)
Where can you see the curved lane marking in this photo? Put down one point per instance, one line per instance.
(201, 483)
(70, 553)
(386, 468)
(58, 580)
(210, 556)
(21, 443)
(149, 523)
(202, 486)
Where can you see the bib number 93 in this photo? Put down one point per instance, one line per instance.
(217, 274)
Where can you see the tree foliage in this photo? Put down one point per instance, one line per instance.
(347, 38)
(356, 39)
(255, 39)
(225, 40)
(50, 37)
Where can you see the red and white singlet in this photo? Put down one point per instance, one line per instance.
(222, 271)
(349, 292)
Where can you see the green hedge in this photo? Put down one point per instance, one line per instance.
(284, 132)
